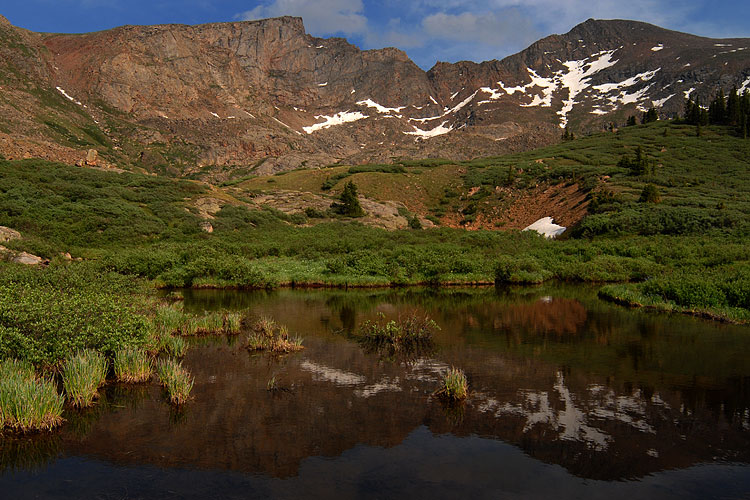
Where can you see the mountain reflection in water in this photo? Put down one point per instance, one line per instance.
(603, 392)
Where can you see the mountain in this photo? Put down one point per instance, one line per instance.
(225, 100)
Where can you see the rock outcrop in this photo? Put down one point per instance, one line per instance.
(263, 96)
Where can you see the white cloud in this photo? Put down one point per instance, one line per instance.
(321, 17)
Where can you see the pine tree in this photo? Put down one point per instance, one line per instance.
(631, 121)
(348, 204)
(717, 110)
(650, 116)
(733, 108)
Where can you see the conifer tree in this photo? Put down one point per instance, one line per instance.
(348, 204)
(733, 108)
(631, 121)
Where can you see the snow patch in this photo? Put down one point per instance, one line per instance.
(641, 77)
(380, 109)
(427, 134)
(546, 227)
(577, 79)
(722, 45)
(68, 97)
(657, 48)
(285, 125)
(660, 102)
(323, 84)
(745, 86)
(688, 92)
(338, 119)
(217, 116)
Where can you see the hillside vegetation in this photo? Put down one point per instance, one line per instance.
(673, 228)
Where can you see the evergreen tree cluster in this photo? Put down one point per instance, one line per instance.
(638, 165)
(732, 110)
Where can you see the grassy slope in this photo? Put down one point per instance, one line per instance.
(692, 173)
(683, 252)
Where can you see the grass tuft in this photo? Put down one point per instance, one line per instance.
(83, 373)
(267, 335)
(132, 365)
(176, 380)
(27, 403)
(175, 347)
(454, 386)
(412, 330)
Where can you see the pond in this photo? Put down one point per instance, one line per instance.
(570, 397)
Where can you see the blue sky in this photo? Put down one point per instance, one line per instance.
(428, 30)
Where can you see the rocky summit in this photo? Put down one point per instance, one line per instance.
(218, 100)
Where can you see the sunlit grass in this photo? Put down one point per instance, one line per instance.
(27, 403)
(454, 386)
(132, 365)
(176, 380)
(83, 374)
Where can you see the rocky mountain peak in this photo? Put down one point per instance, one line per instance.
(264, 96)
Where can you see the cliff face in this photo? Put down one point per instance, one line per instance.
(265, 96)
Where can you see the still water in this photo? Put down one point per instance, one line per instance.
(570, 398)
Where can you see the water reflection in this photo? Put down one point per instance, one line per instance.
(604, 392)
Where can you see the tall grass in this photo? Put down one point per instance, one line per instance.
(454, 386)
(83, 374)
(27, 403)
(132, 365)
(232, 323)
(267, 335)
(175, 347)
(169, 319)
(176, 380)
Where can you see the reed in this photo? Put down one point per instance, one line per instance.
(454, 386)
(176, 380)
(132, 365)
(83, 374)
(27, 402)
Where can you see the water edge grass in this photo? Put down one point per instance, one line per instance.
(176, 380)
(27, 402)
(83, 373)
(132, 365)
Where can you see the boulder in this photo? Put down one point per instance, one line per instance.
(21, 257)
(8, 234)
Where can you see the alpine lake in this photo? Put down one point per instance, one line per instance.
(570, 397)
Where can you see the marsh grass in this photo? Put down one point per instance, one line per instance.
(176, 380)
(27, 402)
(454, 386)
(232, 323)
(267, 335)
(132, 365)
(83, 374)
(173, 346)
(169, 319)
(404, 333)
